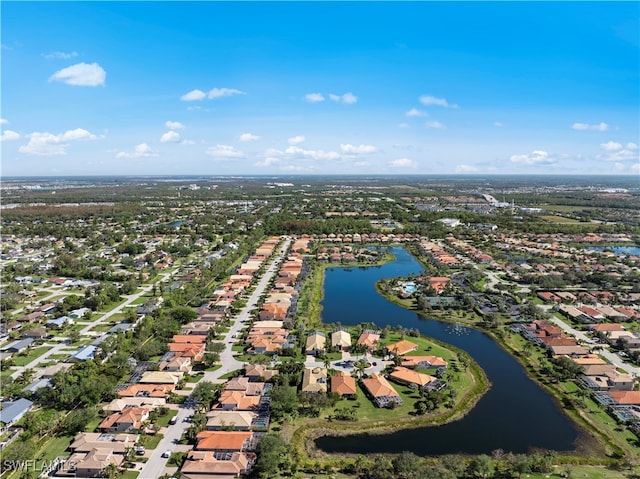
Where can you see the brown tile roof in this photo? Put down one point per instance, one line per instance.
(343, 384)
(401, 347)
(625, 397)
(378, 386)
(223, 440)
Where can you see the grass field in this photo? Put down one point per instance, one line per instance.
(33, 354)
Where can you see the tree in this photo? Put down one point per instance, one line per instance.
(519, 464)
(408, 466)
(111, 470)
(270, 451)
(205, 394)
(284, 400)
(481, 466)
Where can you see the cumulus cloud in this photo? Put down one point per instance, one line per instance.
(434, 124)
(81, 74)
(358, 149)
(414, 112)
(170, 137)
(249, 137)
(348, 98)
(296, 140)
(466, 169)
(222, 92)
(298, 152)
(314, 97)
(60, 55)
(402, 163)
(45, 143)
(194, 95)
(268, 161)
(140, 151)
(536, 157)
(8, 135)
(3, 121)
(619, 152)
(174, 125)
(224, 151)
(611, 146)
(429, 100)
(585, 126)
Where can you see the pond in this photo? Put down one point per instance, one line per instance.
(515, 415)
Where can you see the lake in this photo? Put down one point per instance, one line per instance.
(515, 415)
(619, 250)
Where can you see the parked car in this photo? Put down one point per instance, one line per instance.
(166, 453)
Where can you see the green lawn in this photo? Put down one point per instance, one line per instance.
(128, 475)
(150, 441)
(54, 447)
(163, 421)
(32, 354)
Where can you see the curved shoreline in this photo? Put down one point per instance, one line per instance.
(591, 442)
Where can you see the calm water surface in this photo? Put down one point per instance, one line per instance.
(619, 250)
(515, 414)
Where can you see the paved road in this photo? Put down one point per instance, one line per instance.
(60, 346)
(580, 336)
(155, 466)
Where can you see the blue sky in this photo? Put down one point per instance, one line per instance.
(320, 87)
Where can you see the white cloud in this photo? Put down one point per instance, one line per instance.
(273, 152)
(498, 123)
(60, 55)
(314, 97)
(466, 169)
(536, 157)
(296, 140)
(348, 98)
(222, 92)
(81, 74)
(619, 152)
(358, 149)
(224, 151)
(414, 112)
(434, 124)
(3, 121)
(635, 168)
(174, 125)
(611, 146)
(249, 137)
(214, 93)
(429, 100)
(188, 142)
(585, 126)
(296, 151)
(403, 125)
(140, 151)
(268, 161)
(170, 137)
(194, 95)
(403, 163)
(8, 135)
(45, 143)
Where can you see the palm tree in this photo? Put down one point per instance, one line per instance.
(111, 471)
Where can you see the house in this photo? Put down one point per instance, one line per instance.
(314, 380)
(369, 339)
(237, 401)
(119, 405)
(12, 411)
(147, 390)
(316, 343)
(60, 322)
(343, 384)
(161, 377)
(36, 333)
(424, 362)
(230, 420)
(84, 354)
(224, 441)
(209, 464)
(341, 339)
(129, 419)
(411, 378)
(259, 372)
(625, 397)
(93, 452)
(175, 364)
(381, 392)
(402, 347)
(247, 387)
(18, 346)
